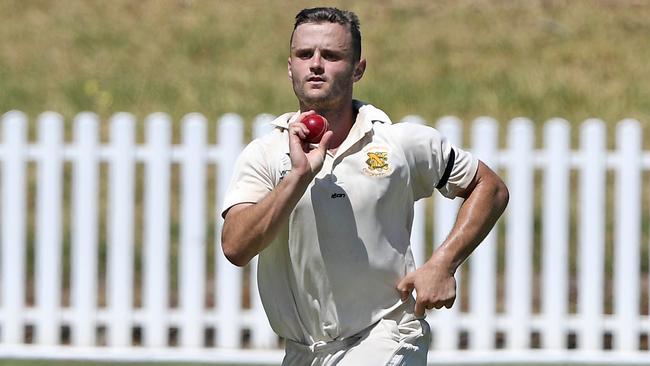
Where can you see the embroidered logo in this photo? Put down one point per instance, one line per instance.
(377, 160)
(377, 163)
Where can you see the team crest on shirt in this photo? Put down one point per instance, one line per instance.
(377, 164)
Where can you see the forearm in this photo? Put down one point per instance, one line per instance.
(476, 217)
(249, 230)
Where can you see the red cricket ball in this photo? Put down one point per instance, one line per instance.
(317, 126)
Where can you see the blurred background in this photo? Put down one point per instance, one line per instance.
(539, 59)
(504, 59)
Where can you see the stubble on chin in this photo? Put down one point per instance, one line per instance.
(321, 101)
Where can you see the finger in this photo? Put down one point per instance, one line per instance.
(299, 129)
(419, 309)
(295, 137)
(305, 114)
(296, 145)
(449, 303)
(405, 287)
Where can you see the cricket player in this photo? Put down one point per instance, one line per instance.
(339, 288)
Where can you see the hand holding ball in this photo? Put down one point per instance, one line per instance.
(317, 126)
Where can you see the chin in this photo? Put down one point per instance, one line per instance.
(315, 100)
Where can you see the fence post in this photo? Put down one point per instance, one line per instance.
(14, 133)
(156, 232)
(555, 234)
(192, 259)
(120, 247)
(445, 337)
(627, 231)
(262, 334)
(229, 277)
(483, 261)
(592, 234)
(519, 233)
(48, 228)
(83, 279)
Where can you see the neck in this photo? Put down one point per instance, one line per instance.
(340, 120)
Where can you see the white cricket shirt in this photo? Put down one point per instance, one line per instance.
(348, 237)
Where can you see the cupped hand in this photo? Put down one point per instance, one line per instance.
(305, 159)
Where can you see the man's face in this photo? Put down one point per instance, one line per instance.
(321, 65)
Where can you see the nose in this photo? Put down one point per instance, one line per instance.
(316, 65)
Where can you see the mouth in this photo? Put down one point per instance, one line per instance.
(315, 79)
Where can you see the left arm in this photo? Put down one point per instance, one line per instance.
(485, 199)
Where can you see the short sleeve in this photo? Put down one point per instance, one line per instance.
(251, 179)
(462, 167)
(434, 162)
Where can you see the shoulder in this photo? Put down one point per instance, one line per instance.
(411, 135)
(266, 148)
(276, 138)
(382, 124)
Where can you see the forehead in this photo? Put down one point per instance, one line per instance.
(322, 35)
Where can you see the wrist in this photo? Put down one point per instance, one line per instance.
(299, 178)
(442, 258)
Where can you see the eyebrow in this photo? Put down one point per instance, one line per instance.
(323, 50)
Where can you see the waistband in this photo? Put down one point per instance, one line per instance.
(322, 346)
(402, 313)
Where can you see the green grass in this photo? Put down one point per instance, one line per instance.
(539, 59)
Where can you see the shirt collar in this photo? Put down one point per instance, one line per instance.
(366, 116)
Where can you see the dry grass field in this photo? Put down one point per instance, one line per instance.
(540, 59)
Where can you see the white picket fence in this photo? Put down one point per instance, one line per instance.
(490, 327)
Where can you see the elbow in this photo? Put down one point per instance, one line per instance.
(234, 255)
(502, 195)
(232, 245)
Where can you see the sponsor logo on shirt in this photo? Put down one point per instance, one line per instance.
(377, 164)
(285, 166)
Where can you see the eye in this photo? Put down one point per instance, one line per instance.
(331, 56)
(304, 54)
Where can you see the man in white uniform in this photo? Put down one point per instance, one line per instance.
(339, 288)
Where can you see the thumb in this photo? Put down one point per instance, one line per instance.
(405, 286)
(324, 143)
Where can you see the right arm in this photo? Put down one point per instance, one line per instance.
(250, 227)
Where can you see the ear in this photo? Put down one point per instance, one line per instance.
(359, 70)
(289, 69)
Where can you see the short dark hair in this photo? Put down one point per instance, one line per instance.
(333, 15)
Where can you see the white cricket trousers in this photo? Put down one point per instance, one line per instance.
(385, 343)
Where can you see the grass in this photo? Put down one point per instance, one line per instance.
(539, 59)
